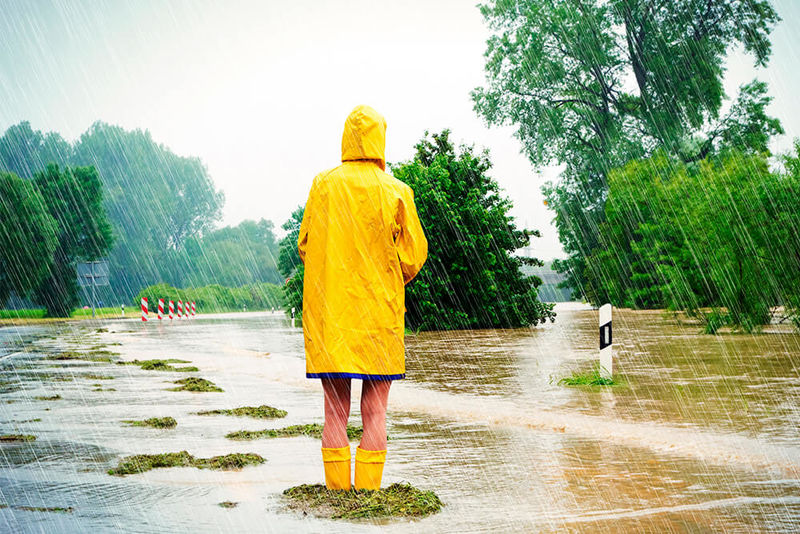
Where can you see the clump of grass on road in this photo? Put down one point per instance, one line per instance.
(592, 378)
(194, 383)
(92, 356)
(17, 437)
(313, 430)
(48, 397)
(59, 509)
(162, 365)
(145, 462)
(155, 422)
(397, 500)
(257, 412)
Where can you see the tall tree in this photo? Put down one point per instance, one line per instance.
(74, 199)
(27, 236)
(25, 151)
(472, 278)
(155, 200)
(592, 84)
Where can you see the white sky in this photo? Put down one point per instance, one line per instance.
(260, 90)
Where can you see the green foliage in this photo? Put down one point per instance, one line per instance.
(27, 236)
(398, 500)
(156, 200)
(723, 233)
(74, 199)
(289, 263)
(595, 84)
(592, 378)
(231, 256)
(215, 298)
(472, 278)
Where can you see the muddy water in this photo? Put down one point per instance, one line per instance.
(701, 436)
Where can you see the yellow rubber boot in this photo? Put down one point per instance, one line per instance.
(369, 468)
(337, 468)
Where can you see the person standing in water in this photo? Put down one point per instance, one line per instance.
(361, 241)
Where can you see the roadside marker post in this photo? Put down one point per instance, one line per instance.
(144, 309)
(606, 351)
(160, 309)
(171, 310)
(180, 309)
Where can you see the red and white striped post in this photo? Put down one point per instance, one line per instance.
(180, 309)
(194, 310)
(144, 308)
(160, 309)
(171, 309)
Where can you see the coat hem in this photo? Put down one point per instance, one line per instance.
(356, 375)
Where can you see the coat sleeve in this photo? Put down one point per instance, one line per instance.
(412, 247)
(308, 212)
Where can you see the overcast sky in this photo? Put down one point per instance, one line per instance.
(260, 90)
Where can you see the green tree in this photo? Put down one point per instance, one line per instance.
(155, 200)
(74, 199)
(25, 151)
(231, 256)
(472, 279)
(560, 71)
(289, 263)
(722, 233)
(27, 236)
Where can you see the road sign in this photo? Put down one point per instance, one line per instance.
(93, 274)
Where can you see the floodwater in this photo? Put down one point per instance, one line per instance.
(702, 435)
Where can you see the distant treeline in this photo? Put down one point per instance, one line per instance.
(162, 209)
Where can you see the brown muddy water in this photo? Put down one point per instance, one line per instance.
(702, 435)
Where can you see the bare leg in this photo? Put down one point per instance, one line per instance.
(374, 397)
(337, 412)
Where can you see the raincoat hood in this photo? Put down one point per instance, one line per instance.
(364, 136)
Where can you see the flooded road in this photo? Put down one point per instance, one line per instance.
(702, 435)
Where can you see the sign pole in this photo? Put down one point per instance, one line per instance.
(606, 354)
(94, 296)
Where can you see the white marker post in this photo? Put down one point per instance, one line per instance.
(292, 317)
(606, 360)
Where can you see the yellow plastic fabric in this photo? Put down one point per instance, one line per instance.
(337, 468)
(361, 242)
(369, 469)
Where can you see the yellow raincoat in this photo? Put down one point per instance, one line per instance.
(361, 242)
